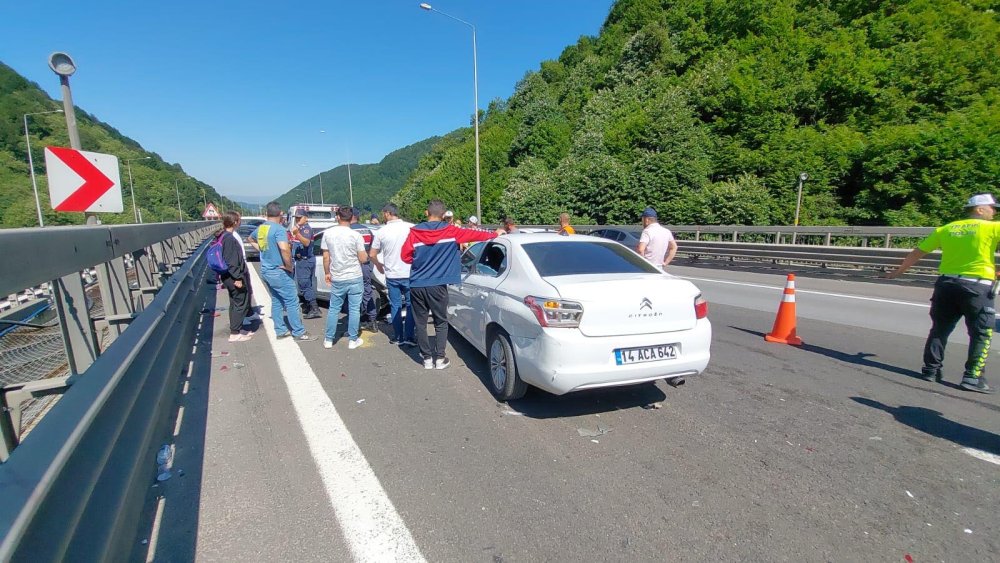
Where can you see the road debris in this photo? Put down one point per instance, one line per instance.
(968, 531)
(509, 412)
(596, 441)
(876, 438)
(238, 365)
(220, 354)
(224, 367)
(909, 494)
(588, 433)
(908, 558)
(652, 406)
(359, 401)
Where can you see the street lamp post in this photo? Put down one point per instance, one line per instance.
(798, 201)
(62, 64)
(350, 186)
(180, 216)
(131, 185)
(475, 98)
(31, 163)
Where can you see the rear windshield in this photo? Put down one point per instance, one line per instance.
(567, 258)
(319, 214)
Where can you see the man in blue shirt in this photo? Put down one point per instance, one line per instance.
(276, 268)
(305, 262)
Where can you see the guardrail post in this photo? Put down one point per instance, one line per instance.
(828, 239)
(735, 234)
(777, 237)
(79, 339)
(167, 257)
(697, 235)
(145, 280)
(115, 294)
(888, 241)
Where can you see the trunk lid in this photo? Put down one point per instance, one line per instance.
(625, 304)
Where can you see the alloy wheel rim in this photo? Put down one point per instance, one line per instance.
(498, 365)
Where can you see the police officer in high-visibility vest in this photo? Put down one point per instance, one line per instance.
(965, 288)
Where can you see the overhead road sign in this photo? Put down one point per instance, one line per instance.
(83, 181)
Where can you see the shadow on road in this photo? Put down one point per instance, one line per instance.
(177, 501)
(933, 423)
(539, 404)
(857, 358)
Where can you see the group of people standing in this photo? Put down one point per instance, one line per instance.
(418, 261)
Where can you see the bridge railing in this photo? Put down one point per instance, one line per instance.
(77, 485)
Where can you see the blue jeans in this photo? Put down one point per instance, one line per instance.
(284, 301)
(339, 290)
(399, 297)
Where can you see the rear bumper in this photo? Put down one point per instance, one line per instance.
(564, 360)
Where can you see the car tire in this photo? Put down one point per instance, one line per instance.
(505, 383)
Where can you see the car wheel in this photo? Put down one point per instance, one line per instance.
(504, 380)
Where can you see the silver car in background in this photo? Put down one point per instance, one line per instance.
(567, 313)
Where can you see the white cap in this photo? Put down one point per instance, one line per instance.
(981, 199)
(473, 219)
(449, 213)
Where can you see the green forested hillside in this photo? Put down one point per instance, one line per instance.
(373, 184)
(710, 109)
(154, 178)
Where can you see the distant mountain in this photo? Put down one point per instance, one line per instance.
(154, 178)
(374, 184)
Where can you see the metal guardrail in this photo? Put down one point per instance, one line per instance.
(796, 245)
(77, 486)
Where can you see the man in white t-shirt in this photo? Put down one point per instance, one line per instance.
(389, 241)
(657, 244)
(343, 254)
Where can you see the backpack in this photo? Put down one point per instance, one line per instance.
(216, 261)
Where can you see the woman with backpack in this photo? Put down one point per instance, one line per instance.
(225, 257)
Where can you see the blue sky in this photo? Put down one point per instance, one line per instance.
(238, 92)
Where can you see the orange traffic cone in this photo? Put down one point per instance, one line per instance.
(784, 324)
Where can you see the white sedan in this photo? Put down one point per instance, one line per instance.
(567, 313)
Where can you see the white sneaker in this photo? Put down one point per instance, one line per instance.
(356, 343)
(428, 363)
(442, 363)
(328, 343)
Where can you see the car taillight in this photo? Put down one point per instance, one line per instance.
(555, 313)
(368, 239)
(700, 307)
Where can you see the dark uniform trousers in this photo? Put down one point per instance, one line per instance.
(305, 277)
(368, 312)
(953, 299)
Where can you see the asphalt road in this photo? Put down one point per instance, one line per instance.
(829, 451)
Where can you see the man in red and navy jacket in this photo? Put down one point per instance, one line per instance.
(432, 249)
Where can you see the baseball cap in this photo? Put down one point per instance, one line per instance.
(981, 199)
(449, 213)
(649, 212)
(299, 212)
(473, 219)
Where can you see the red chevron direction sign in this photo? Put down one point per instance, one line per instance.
(83, 181)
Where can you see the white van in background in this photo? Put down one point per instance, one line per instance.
(320, 216)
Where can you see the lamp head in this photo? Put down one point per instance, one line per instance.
(426, 6)
(62, 64)
(803, 176)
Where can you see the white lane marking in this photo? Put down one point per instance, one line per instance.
(154, 536)
(985, 456)
(370, 523)
(843, 295)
